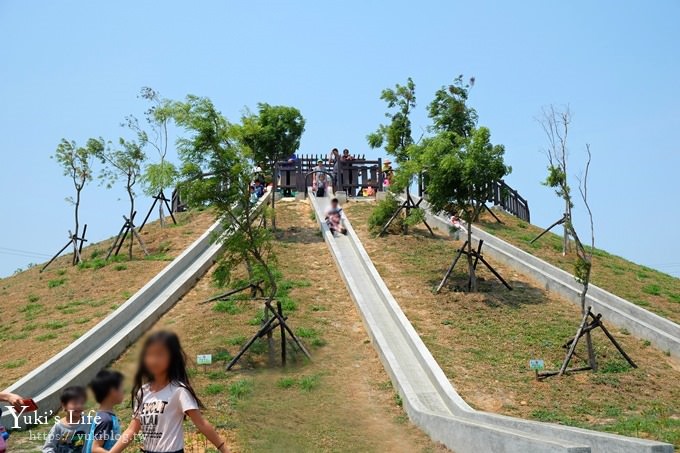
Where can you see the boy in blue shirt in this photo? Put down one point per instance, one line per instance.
(107, 387)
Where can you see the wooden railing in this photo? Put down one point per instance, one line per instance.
(501, 194)
(354, 175)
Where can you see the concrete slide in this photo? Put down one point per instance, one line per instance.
(661, 332)
(105, 342)
(429, 399)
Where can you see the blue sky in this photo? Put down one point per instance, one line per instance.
(73, 69)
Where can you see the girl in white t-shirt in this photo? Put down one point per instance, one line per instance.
(161, 397)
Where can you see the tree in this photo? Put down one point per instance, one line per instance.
(459, 171)
(123, 163)
(397, 135)
(449, 111)
(555, 123)
(77, 164)
(159, 175)
(273, 135)
(217, 171)
(397, 139)
(218, 165)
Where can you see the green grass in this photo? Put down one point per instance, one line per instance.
(653, 289)
(56, 282)
(309, 383)
(31, 310)
(286, 382)
(227, 306)
(55, 325)
(32, 298)
(214, 389)
(46, 337)
(13, 364)
(241, 389)
(237, 340)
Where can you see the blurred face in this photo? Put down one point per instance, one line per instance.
(346, 152)
(157, 359)
(74, 409)
(117, 395)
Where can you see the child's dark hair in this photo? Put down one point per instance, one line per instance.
(104, 382)
(177, 369)
(75, 392)
(334, 200)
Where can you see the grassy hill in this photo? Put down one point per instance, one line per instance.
(649, 288)
(44, 312)
(484, 341)
(340, 401)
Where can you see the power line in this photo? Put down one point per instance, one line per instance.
(9, 250)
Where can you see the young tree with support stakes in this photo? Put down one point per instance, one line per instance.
(124, 163)
(216, 149)
(160, 175)
(459, 171)
(76, 161)
(273, 135)
(397, 140)
(556, 124)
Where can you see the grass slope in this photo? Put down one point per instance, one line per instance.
(44, 312)
(649, 288)
(484, 342)
(340, 401)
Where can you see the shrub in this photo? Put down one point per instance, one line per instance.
(382, 213)
(652, 289)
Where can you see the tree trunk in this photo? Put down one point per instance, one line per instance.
(565, 238)
(76, 256)
(407, 210)
(471, 267)
(160, 213)
(274, 184)
(132, 211)
(592, 361)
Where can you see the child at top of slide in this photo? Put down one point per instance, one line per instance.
(161, 396)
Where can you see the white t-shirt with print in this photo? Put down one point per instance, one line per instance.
(162, 414)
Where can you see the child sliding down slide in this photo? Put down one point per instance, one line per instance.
(161, 397)
(334, 218)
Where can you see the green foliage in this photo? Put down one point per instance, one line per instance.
(582, 269)
(415, 217)
(449, 110)
(77, 161)
(273, 134)
(382, 212)
(459, 170)
(396, 136)
(32, 298)
(158, 176)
